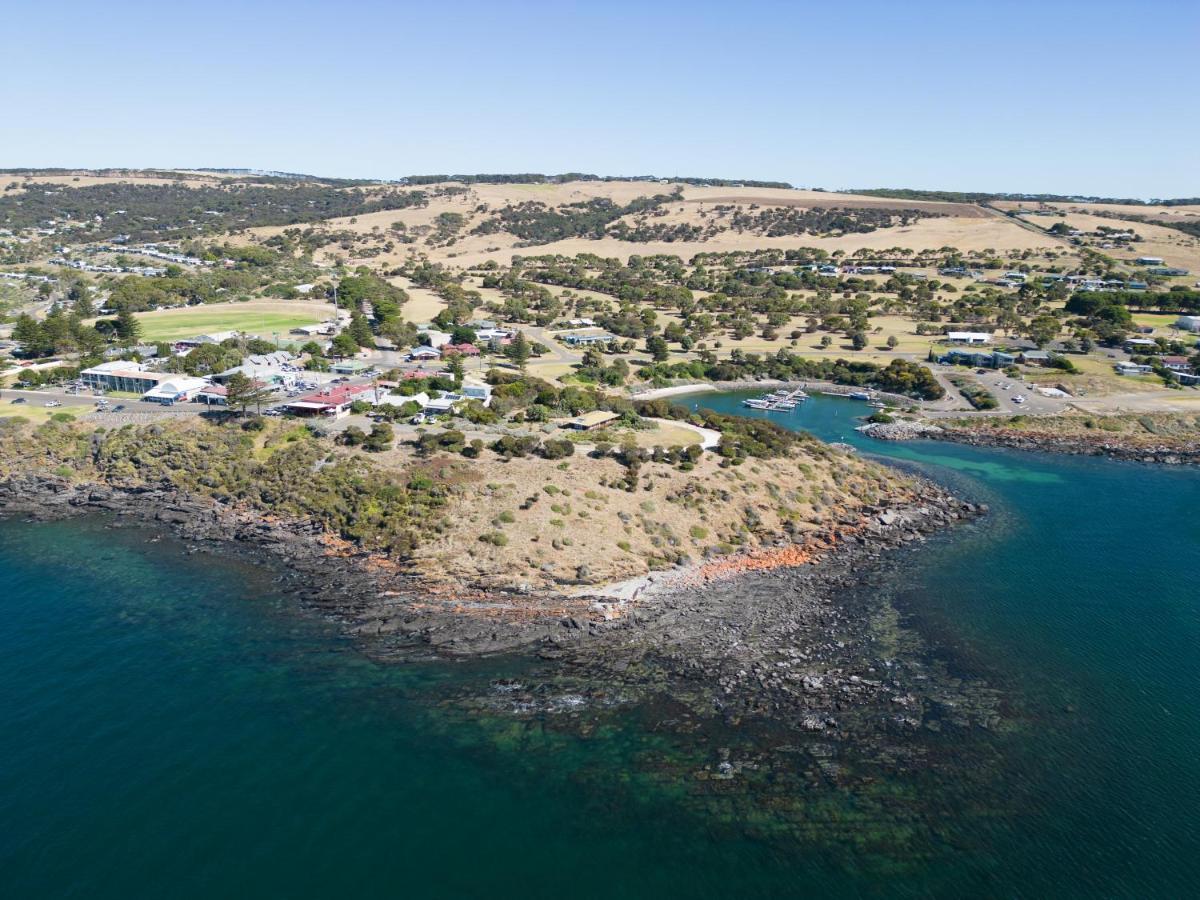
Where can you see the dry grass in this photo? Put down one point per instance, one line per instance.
(581, 517)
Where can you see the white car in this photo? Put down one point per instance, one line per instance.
(1018, 399)
(51, 404)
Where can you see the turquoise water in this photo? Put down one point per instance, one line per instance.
(169, 726)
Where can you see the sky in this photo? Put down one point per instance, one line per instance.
(1092, 98)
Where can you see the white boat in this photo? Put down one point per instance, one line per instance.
(756, 403)
(859, 395)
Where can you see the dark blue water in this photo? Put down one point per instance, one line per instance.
(169, 726)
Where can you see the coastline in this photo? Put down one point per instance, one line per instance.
(1098, 445)
(394, 614)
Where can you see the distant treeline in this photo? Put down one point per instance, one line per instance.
(983, 197)
(1174, 300)
(536, 223)
(536, 178)
(156, 211)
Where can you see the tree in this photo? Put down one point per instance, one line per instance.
(657, 347)
(892, 342)
(360, 330)
(518, 351)
(128, 328)
(1043, 329)
(80, 297)
(455, 367)
(858, 340)
(243, 392)
(344, 345)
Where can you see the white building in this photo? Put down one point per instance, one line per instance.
(1188, 323)
(969, 337)
(179, 389)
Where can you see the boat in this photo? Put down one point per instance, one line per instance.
(877, 404)
(757, 403)
(859, 395)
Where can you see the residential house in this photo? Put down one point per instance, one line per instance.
(474, 390)
(1128, 368)
(424, 353)
(1149, 261)
(1176, 363)
(590, 421)
(585, 340)
(463, 349)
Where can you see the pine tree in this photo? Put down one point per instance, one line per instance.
(128, 329)
(518, 352)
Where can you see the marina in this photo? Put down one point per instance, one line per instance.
(780, 400)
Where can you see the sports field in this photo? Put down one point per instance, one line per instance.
(261, 318)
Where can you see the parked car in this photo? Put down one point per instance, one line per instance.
(118, 407)
(19, 400)
(51, 404)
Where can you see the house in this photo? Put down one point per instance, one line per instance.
(1035, 357)
(1176, 363)
(586, 340)
(333, 402)
(463, 349)
(129, 377)
(1128, 368)
(581, 323)
(179, 389)
(1188, 377)
(1188, 323)
(424, 353)
(442, 405)
(1141, 345)
(984, 359)
(590, 421)
(969, 337)
(477, 391)
(350, 367)
(1148, 261)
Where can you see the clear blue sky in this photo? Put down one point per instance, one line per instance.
(1065, 97)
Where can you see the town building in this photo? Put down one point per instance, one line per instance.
(350, 367)
(119, 375)
(333, 402)
(178, 389)
(1188, 323)
(424, 353)
(1149, 261)
(969, 337)
(1035, 357)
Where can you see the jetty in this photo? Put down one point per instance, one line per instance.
(781, 400)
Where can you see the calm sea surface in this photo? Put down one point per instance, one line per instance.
(171, 727)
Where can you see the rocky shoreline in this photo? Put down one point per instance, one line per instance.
(392, 613)
(1074, 444)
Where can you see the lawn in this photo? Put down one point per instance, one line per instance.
(263, 318)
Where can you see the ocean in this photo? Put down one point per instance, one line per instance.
(171, 725)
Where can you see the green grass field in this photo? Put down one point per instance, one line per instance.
(262, 318)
